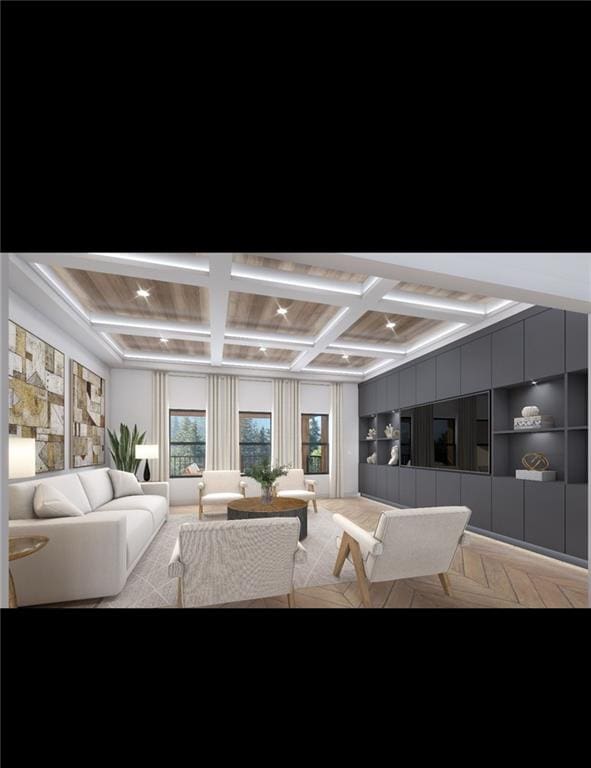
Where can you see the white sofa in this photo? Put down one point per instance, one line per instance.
(87, 556)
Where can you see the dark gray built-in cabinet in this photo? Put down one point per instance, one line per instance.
(545, 346)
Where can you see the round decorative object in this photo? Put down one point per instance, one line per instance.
(535, 461)
(530, 410)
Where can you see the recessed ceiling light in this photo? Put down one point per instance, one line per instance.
(534, 382)
(391, 325)
(143, 293)
(282, 311)
(345, 356)
(262, 349)
(164, 341)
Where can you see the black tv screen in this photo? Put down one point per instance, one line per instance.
(450, 434)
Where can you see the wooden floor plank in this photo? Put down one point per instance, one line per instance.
(473, 568)
(497, 578)
(524, 588)
(552, 596)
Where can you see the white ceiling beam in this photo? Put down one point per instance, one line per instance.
(141, 327)
(416, 309)
(343, 320)
(268, 344)
(220, 270)
(281, 290)
(288, 277)
(145, 269)
(368, 349)
(267, 336)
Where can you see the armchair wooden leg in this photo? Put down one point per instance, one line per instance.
(445, 583)
(291, 599)
(362, 582)
(179, 594)
(315, 507)
(200, 510)
(342, 555)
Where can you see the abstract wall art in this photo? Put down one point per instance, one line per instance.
(88, 417)
(36, 395)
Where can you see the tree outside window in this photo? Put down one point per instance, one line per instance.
(315, 443)
(187, 442)
(255, 439)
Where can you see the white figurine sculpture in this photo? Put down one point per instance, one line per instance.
(394, 455)
(373, 458)
(530, 410)
(371, 435)
(389, 431)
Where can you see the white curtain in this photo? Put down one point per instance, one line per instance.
(222, 442)
(337, 448)
(286, 438)
(160, 467)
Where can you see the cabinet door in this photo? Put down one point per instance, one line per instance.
(507, 507)
(407, 487)
(408, 387)
(382, 394)
(576, 341)
(362, 399)
(544, 344)
(507, 356)
(393, 392)
(476, 494)
(448, 489)
(363, 478)
(544, 515)
(372, 397)
(382, 482)
(393, 485)
(476, 365)
(426, 487)
(576, 520)
(448, 374)
(426, 385)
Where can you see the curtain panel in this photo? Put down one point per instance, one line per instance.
(286, 423)
(222, 438)
(160, 424)
(337, 446)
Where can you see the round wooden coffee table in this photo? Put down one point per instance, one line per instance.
(243, 509)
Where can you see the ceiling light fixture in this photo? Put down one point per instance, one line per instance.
(282, 311)
(262, 349)
(345, 356)
(391, 325)
(164, 341)
(142, 293)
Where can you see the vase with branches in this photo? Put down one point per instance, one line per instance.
(266, 474)
(123, 447)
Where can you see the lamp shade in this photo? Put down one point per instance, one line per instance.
(146, 451)
(21, 456)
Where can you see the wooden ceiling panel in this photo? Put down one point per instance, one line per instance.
(256, 260)
(371, 327)
(248, 311)
(130, 343)
(327, 360)
(442, 293)
(240, 352)
(102, 293)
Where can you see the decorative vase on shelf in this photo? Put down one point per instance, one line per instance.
(266, 494)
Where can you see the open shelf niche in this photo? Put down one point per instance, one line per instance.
(367, 447)
(385, 444)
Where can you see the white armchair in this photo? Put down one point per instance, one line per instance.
(229, 560)
(220, 487)
(405, 544)
(296, 486)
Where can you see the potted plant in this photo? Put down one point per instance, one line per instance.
(266, 474)
(123, 448)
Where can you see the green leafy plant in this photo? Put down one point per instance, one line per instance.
(266, 474)
(123, 448)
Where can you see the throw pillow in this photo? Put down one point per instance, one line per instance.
(124, 484)
(49, 502)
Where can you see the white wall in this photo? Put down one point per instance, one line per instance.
(34, 321)
(131, 403)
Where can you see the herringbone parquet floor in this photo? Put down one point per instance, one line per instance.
(485, 574)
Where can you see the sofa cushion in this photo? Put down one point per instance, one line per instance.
(21, 495)
(97, 486)
(220, 498)
(124, 484)
(49, 502)
(304, 495)
(221, 481)
(156, 505)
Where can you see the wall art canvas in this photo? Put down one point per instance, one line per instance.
(88, 417)
(36, 395)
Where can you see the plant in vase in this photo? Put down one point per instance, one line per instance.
(266, 474)
(123, 447)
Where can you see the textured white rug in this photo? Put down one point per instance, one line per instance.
(150, 587)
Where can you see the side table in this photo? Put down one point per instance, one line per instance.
(22, 546)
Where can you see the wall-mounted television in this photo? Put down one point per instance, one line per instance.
(449, 434)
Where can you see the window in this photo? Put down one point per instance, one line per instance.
(315, 443)
(255, 439)
(187, 443)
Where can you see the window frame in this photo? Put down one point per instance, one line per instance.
(255, 414)
(325, 444)
(179, 412)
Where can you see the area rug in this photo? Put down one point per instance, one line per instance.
(149, 586)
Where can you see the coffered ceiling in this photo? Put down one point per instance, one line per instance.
(304, 314)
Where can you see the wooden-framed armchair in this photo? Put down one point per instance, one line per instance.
(219, 487)
(296, 486)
